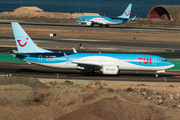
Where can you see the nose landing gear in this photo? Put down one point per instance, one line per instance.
(156, 74)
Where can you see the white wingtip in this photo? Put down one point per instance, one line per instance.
(74, 50)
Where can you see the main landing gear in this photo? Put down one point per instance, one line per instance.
(91, 72)
(100, 25)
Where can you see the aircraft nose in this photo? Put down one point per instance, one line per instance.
(170, 65)
(78, 19)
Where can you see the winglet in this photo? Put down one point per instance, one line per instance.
(134, 17)
(68, 60)
(127, 12)
(74, 50)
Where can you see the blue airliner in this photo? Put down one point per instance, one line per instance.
(106, 63)
(106, 21)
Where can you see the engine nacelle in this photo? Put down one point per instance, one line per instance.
(110, 70)
(89, 23)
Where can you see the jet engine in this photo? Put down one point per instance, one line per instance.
(89, 23)
(110, 70)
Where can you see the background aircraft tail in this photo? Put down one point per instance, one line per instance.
(23, 42)
(127, 12)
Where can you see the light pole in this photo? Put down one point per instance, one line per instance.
(165, 81)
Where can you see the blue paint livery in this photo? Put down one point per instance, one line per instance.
(104, 62)
(100, 20)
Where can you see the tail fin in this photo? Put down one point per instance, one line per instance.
(127, 12)
(23, 42)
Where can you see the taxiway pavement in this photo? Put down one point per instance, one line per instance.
(65, 44)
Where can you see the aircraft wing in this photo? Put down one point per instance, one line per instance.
(98, 20)
(87, 64)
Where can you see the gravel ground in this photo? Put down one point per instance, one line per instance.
(28, 81)
(27, 98)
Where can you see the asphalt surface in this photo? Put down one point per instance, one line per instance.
(165, 49)
(95, 28)
(32, 70)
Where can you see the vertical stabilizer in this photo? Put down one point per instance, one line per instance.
(23, 42)
(127, 12)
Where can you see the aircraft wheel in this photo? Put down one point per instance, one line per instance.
(92, 24)
(156, 74)
(91, 72)
(81, 24)
(99, 25)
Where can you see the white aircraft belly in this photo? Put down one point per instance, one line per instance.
(103, 21)
(56, 65)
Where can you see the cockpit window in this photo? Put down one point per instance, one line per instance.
(163, 60)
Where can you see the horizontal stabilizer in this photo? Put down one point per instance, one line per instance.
(17, 54)
(15, 51)
(134, 18)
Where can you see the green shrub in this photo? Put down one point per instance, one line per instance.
(20, 75)
(129, 89)
(140, 85)
(53, 83)
(67, 82)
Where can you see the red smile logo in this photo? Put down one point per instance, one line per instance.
(127, 14)
(83, 18)
(22, 45)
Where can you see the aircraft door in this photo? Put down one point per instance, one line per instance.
(154, 62)
(40, 58)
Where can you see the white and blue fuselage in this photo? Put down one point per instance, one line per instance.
(101, 20)
(109, 63)
(106, 21)
(97, 61)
